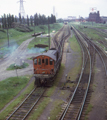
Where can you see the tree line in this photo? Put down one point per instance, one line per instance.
(35, 20)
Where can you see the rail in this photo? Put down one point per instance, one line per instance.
(80, 79)
(24, 112)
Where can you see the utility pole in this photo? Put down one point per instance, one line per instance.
(49, 32)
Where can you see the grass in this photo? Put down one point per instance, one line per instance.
(56, 110)
(76, 69)
(44, 28)
(37, 112)
(13, 67)
(59, 76)
(44, 41)
(89, 109)
(10, 87)
(94, 35)
(36, 41)
(16, 37)
(74, 44)
(17, 101)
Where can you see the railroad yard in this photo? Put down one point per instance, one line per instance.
(79, 89)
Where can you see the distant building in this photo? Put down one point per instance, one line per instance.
(94, 17)
(71, 17)
(104, 19)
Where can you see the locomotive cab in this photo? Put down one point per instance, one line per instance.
(43, 65)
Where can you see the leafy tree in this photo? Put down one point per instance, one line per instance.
(23, 20)
(15, 19)
(27, 20)
(31, 20)
(12, 19)
(20, 19)
(4, 21)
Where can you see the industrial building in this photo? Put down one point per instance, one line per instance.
(94, 17)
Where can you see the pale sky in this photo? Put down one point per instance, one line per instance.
(63, 8)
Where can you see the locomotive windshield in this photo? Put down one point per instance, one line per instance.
(35, 61)
(51, 61)
(42, 60)
(39, 61)
(46, 61)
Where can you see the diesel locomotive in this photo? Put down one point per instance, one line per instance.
(46, 66)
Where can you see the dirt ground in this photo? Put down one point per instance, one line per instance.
(6, 62)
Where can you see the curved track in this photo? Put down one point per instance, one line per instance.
(76, 103)
(95, 49)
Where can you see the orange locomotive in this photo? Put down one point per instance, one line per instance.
(46, 66)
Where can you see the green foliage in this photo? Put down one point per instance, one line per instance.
(14, 37)
(2, 30)
(59, 76)
(56, 110)
(74, 44)
(17, 101)
(17, 37)
(89, 109)
(36, 41)
(10, 87)
(60, 20)
(73, 73)
(37, 112)
(13, 67)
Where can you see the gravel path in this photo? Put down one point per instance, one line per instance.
(19, 52)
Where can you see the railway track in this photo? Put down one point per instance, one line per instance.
(103, 56)
(102, 33)
(24, 109)
(74, 108)
(99, 50)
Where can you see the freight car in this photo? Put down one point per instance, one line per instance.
(46, 66)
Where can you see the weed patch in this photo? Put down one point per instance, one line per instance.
(13, 66)
(10, 87)
(89, 108)
(37, 112)
(56, 110)
(58, 78)
(17, 101)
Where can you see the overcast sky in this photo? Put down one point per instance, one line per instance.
(63, 8)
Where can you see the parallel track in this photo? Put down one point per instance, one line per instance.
(75, 105)
(24, 109)
(99, 50)
(102, 55)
